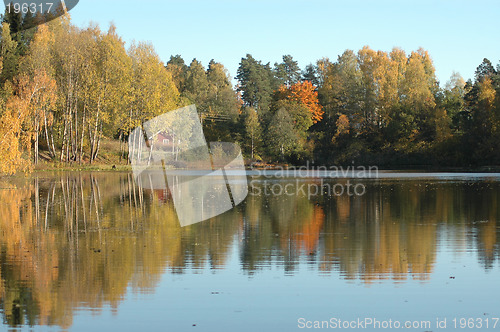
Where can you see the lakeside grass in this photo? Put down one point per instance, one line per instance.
(110, 160)
(63, 167)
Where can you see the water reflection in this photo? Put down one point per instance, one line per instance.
(70, 241)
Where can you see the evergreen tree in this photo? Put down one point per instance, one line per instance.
(28, 21)
(485, 69)
(453, 98)
(288, 72)
(222, 104)
(178, 69)
(8, 54)
(310, 74)
(15, 20)
(196, 87)
(255, 83)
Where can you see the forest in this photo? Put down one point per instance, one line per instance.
(65, 90)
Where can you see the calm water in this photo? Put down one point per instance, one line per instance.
(93, 252)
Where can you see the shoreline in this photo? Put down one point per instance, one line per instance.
(271, 167)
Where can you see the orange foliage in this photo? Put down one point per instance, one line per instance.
(306, 94)
(310, 232)
(12, 139)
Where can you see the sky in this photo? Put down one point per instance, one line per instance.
(458, 34)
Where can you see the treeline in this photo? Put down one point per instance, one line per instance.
(63, 89)
(369, 107)
(377, 108)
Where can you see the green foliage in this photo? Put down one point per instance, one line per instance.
(287, 72)
(253, 132)
(256, 83)
(211, 91)
(196, 89)
(298, 113)
(222, 105)
(178, 69)
(453, 98)
(8, 54)
(310, 74)
(281, 135)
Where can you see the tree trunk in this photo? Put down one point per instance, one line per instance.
(98, 146)
(251, 153)
(63, 140)
(93, 135)
(37, 135)
(80, 157)
(51, 152)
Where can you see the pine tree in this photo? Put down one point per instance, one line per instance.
(196, 88)
(255, 83)
(310, 74)
(14, 19)
(178, 69)
(8, 54)
(288, 72)
(485, 69)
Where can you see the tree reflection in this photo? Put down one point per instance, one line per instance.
(68, 241)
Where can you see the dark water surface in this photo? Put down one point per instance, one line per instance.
(93, 252)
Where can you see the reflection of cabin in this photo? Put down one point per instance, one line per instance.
(163, 140)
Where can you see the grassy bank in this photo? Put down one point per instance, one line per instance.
(109, 159)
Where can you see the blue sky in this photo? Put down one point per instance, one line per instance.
(458, 34)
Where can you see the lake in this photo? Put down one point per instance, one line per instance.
(97, 252)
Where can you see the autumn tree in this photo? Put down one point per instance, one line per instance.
(154, 89)
(12, 141)
(118, 77)
(67, 53)
(303, 93)
(37, 81)
(106, 83)
(418, 88)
